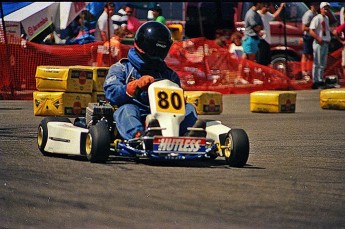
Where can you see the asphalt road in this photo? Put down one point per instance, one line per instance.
(295, 177)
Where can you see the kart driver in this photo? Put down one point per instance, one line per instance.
(127, 81)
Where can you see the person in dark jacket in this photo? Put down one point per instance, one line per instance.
(127, 80)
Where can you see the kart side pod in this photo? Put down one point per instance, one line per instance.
(217, 131)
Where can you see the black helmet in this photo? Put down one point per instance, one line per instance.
(153, 40)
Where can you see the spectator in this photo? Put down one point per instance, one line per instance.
(236, 44)
(307, 56)
(120, 20)
(251, 39)
(253, 25)
(127, 81)
(157, 15)
(85, 21)
(236, 49)
(320, 30)
(104, 28)
(340, 36)
(133, 23)
(264, 54)
(109, 55)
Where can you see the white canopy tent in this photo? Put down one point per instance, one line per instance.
(32, 19)
(38, 16)
(68, 12)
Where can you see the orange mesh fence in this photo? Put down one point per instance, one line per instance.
(20, 60)
(203, 65)
(334, 66)
(200, 63)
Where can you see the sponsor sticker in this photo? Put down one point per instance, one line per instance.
(77, 108)
(179, 144)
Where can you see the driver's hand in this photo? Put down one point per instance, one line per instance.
(141, 84)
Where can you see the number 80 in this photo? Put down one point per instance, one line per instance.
(175, 100)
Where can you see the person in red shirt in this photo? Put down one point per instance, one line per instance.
(339, 33)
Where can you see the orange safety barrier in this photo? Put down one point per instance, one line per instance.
(200, 63)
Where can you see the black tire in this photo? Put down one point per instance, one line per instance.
(97, 144)
(42, 134)
(237, 151)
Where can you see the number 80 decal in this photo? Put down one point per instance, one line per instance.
(168, 100)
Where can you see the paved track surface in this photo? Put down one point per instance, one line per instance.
(295, 177)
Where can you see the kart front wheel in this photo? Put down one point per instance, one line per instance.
(236, 148)
(42, 134)
(97, 144)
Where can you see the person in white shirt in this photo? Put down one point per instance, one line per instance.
(236, 44)
(104, 28)
(264, 54)
(320, 30)
(236, 49)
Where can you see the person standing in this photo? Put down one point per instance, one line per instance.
(251, 39)
(320, 31)
(253, 25)
(157, 15)
(133, 23)
(104, 28)
(307, 56)
(264, 54)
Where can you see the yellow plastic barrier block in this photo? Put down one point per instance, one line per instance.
(97, 96)
(333, 99)
(205, 102)
(77, 79)
(273, 101)
(60, 103)
(99, 75)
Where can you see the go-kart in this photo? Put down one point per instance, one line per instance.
(96, 136)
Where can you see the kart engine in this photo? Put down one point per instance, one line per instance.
(97, 111)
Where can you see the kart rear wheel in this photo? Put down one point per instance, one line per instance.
(42, 134)
(97, 144)
(236, 148)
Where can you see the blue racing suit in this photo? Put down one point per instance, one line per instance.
(131, 113)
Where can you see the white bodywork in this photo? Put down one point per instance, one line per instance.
(64, 138)
(169, 120)
(216, 128)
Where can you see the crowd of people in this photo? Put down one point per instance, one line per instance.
(91, 25)
(255, 43)
(113, 26)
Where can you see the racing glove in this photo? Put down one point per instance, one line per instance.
(136, 86)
